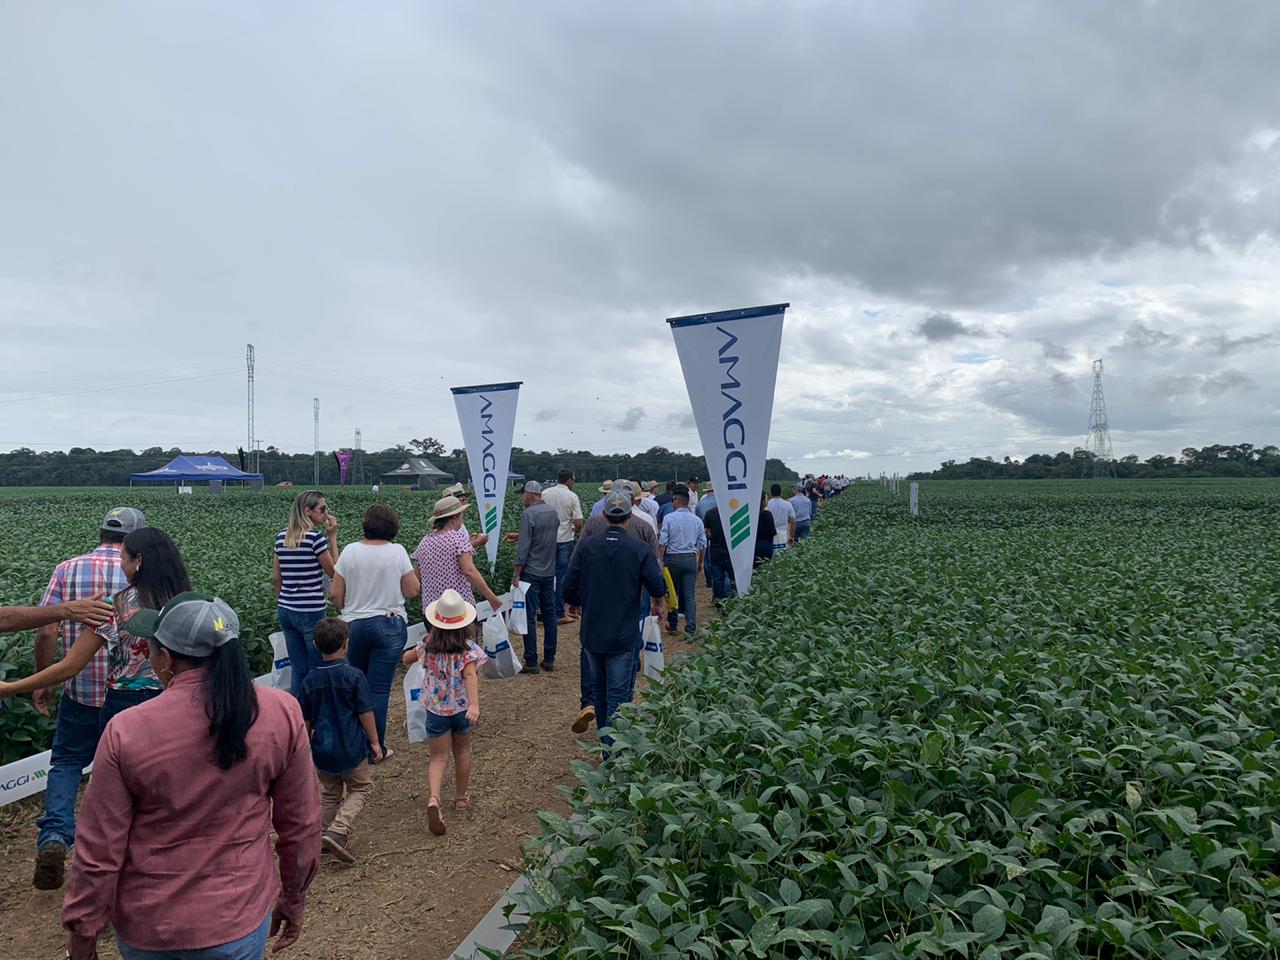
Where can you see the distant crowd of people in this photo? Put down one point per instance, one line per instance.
(157, 692)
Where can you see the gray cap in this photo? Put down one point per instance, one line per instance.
(123, 520)
(624, 485)
(533, 486)
(191, 624)
(617, 505)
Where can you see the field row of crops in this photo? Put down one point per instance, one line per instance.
(1040, 721)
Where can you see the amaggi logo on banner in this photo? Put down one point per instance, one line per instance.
(730, 364)
(487, 416)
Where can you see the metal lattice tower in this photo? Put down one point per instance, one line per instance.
(315, 403)
(253, 459)
(1098, 442)
(357, 471)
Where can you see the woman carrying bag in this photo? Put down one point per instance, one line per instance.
(444, 560)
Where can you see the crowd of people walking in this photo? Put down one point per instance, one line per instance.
(158, 695)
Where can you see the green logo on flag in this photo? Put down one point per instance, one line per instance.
(490, 517)
(739, 522)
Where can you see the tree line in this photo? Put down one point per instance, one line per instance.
(1215, 460)
(86, 467)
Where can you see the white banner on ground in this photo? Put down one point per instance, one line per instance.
(487, 416)
(730, 363)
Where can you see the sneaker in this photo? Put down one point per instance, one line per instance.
(530, 667)
(51, 866)
(548, 665)
(337, 845)
(585, 716)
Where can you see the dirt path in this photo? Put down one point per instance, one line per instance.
(411, 894)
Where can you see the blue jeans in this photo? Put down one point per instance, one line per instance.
(613, 680)
(722, 585)
(120, 700)
(540, 601)
(586, 689)
(249, 947)
(684, 574)
(375, 648)
(803, 529)
(300, 639)
(564, 551)
(74, 741)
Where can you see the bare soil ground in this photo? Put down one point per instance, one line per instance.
(411, 895)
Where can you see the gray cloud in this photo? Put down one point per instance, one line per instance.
(1223, 345)
(1053, 351)
(546, 415)
(942, 326)
(630, 420)
(1141, 337)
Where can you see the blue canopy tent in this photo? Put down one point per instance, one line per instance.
(196, 469)
(515, 479)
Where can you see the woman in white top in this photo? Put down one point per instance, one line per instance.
(371, 581)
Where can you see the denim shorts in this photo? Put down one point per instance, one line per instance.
(438, 726)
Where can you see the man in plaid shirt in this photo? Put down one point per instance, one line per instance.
(76, 736)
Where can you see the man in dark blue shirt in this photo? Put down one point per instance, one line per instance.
(338, 708)
(606, 575)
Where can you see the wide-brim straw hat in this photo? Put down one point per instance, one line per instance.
(450, 612)
(454, 490)
(446, 507)
(606, 487)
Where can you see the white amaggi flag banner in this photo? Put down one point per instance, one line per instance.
(487, 415)
(730, 363)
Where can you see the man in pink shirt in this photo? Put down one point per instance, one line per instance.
(174, 847)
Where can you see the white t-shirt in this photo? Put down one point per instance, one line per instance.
(783, 513)
(373, 572)
(567, 507)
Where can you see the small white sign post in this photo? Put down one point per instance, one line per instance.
(915, 499)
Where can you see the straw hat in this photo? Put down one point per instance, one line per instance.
(606, 487)
(450, 612)
(456, 490)
(446, 507)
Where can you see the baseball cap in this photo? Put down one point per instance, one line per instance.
(681, 490)
(123, 520)
(193, 624)
(533, 486)
(617, 505)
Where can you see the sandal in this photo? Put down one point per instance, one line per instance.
(435, 820)
(462, 804)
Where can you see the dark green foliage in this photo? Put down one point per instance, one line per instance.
(1038, 721)
(1215, 460)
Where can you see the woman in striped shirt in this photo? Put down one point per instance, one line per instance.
(306, 551)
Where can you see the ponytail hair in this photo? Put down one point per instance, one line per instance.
(231, 701)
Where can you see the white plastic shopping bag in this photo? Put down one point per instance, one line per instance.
(281, 667)
(503, 662)
(654, 659)
(415, 711)
(517, 621)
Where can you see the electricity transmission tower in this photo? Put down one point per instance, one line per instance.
(1098, 442)
(253, 457)
(357, 471)
(315, 401)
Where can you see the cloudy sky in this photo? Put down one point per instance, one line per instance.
(964, 204)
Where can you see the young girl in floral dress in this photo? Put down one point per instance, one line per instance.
(451, 693)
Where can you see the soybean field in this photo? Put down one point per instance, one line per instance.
(1037, 721)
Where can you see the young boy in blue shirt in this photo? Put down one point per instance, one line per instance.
(338, 708)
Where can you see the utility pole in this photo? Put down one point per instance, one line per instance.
(315, 402)
(248, 360)
(357, 472)
(1098, 441)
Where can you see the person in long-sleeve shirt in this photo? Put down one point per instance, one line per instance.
(174, 846)
(606, 574)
